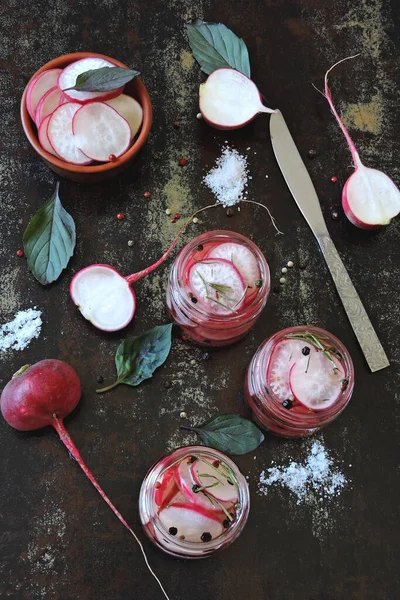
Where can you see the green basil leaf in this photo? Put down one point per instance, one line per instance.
(49, 240)
(138, 357)
(103, 80)
(231, 434)
(214, 46)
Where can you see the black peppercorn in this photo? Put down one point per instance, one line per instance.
(195, 488)
(229, 212)
(173, 530)
(206, 536)
(226, 523)
(258, 283)
(200, 247)
(194, 299)
(345, 383)
(193, 459)
(305, 350)
(287, 404)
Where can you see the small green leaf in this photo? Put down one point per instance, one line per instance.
(231, 434)
(214, 46)
(138, 357)
(103, 79)
(49, 240)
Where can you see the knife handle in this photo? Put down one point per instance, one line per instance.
(359, 320)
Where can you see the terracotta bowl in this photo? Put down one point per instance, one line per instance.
(98, 172)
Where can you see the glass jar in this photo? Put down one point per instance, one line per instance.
(287, 417)
(202, 324)
(161, 498)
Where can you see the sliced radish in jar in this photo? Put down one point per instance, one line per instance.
(38, 88)
(241, 257)
(100, 131)
(104, 297)
(130, 109)
(204, 475)
(67, 79)
(168, 488)
(61, 138)
(190, 521)
(218, 285)
(42, 135)
(315, 381)
(283, 357)
(186, 482)
(47, 105)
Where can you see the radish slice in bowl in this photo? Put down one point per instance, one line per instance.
(42, 136)
(47, 104)
(67, 79)
(184, 477)
(104, 297)
(100, 131)
(217, 284)
(241, 257)
(38, 88)
(61, 138)
(130, 109)
(284, 355)
(190, 521)
(205, 476)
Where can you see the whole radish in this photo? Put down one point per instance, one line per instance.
(370, 199)
(44, 394)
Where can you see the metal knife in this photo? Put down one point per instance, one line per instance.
(299, 183)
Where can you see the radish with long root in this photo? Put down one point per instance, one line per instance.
(370, 199)
(44, 394)
(105, 297)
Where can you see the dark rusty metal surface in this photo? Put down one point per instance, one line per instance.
(58, 540)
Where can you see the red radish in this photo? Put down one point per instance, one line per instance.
(67, 79)
(185, 480)
(189, 519)
(283, 357)
(218, 284)
(315, 381)
(44, 394)
(38, 87)
(168, 488)
(204, 475)
(47, 104)
(130, 109)
(42, 135)
(61, 138)
(100, 131)
(229, 99)
(241, 257)
(370, 199)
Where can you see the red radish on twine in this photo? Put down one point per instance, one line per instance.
(370, 198)
(44, 394)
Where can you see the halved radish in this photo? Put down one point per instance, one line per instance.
(168, 488)
(99, 131)
(61, 138)
(217, 284)
(130, 109)
(204, 475)
(47, 104)
(42, 135)
(283, 357)
(191, 522)
(315, 381)
(38, 87)
(67, 79)
(103, 296)
(186, 482)
(241, 257)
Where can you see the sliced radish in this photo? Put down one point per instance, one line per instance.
(42, 135)
(204, 475)
(186, 482)
(100, 131)
(241, 257)
(59, 132)
(190, 521)
(38, 88)
(314, 382)
(104, 297)
(283, 357)
(168, 488)
(208, 275)
(67, 79)
(130, 109)
(47, 104)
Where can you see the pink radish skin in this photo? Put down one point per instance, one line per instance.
(44, 394)
(38, 88)
(168, 489)
(61, 138)
(370, 199)
(42, 136)
(47, 105)
(67, 79)
(229, 100)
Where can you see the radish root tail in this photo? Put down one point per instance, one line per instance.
(278, 231)
(74, 452)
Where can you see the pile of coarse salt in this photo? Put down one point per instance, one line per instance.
(229, 178)
(316, 475)
(18, 333)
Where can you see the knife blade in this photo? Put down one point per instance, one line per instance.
(302, 189)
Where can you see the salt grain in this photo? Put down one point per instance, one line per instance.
(18, 333)
(229, 177)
